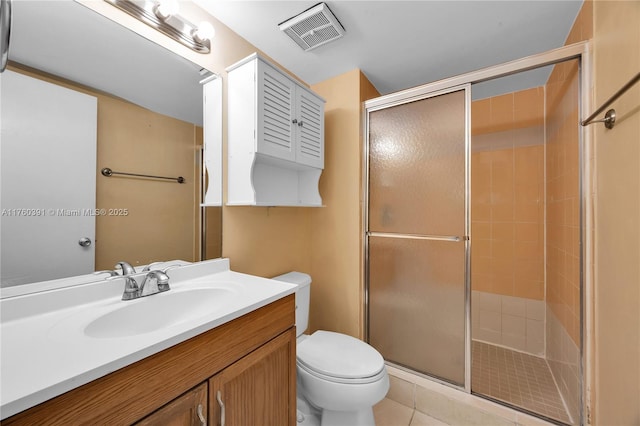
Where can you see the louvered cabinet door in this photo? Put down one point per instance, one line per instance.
(310, 131)
(276, 114)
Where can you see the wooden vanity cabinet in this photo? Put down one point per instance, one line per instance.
(251, 361)
(250, 390)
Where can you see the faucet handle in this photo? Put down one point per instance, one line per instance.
(170, 267)
(162, 279)
(148, 267)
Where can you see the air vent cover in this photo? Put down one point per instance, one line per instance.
(313, 27)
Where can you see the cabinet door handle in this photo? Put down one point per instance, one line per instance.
(201, 417)
(300, 123)
(294, 121)
(221, 404)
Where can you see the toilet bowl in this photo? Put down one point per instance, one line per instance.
(340, 376)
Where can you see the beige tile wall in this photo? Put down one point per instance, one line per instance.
(563, 197)
(507, 194)
(513, 322)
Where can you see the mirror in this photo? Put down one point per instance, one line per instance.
(148, 120)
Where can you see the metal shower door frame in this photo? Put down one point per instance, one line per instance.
(579, 51)
(467, 217)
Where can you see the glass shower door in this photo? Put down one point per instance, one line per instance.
(417, 229)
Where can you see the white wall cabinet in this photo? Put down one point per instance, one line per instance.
(212, 108)
(276, 137)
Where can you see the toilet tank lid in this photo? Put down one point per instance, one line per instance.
(298, 278)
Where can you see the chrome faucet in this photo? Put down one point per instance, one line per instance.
(155, 281)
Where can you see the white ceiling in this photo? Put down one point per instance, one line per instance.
(401, 44)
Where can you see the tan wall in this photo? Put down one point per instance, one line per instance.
(336, 228)
(617, 213)
(507, 192)
(157, 211)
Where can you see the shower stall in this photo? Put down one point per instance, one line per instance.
(473, 232)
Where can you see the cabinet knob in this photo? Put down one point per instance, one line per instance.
(294, 121)
(300, 123)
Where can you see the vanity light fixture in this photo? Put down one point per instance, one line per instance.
(163, 16)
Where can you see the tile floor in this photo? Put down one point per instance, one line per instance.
(519, 379)
(391, 413)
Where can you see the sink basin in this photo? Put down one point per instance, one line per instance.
(158, 311)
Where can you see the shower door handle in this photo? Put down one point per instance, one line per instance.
(452, 238)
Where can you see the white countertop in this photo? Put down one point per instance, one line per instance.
(44, 351)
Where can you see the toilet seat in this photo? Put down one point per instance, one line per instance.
(339, 358)
(355, 381)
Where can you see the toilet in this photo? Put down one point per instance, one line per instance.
(340, 378)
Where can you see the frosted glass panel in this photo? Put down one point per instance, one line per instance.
(417, 167)
(416, 281)
(416, 304)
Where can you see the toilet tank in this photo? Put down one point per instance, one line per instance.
(303, 293)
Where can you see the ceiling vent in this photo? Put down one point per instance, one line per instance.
(313, 27)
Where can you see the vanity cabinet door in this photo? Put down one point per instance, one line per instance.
(259, 389)
(190, 409)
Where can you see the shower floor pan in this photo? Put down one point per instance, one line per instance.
(516, 378)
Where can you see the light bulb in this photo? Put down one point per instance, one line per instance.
(166, 8)
(205, 31)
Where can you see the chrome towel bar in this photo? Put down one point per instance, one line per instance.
(108, 173)
(609, 119)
